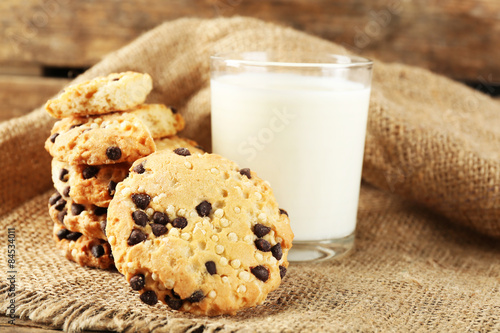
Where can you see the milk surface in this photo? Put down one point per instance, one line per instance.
(305, 135)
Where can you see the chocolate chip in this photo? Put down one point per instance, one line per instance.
(210, 265)
(54, 198)
(97, 251)
(174, 110)
(139, 168)
(99, 211)
(141, 200)
(116, 79)
(63, 175)
(175, 295)
(62, 234)
(114, 153)
(75, 125)
(282, 211)
(60, 204)
(277, 252)
(136, 236)
(73, 236)
(196, 297)
(160, 218)
(76, 209)
(61, 215)
(263, 245)
(246, 172)
(159, 229)
(111, 188)
(260, 272)
(140, 218)
(149, 297)
(282, 271)
(180, 222)
(204, 208)
(53, 137)
(174, 304)
(137, 282)
(182, 151)
(66, 191)
(90, 171)
(261, 230)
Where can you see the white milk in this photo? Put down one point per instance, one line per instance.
(305, 135)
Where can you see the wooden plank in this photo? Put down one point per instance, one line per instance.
(458, 38)
(22, 94)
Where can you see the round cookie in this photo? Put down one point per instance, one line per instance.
(113, 138)
(198, 233)
(117, 91)
(85, 251)
(88, 184)
(89, 220)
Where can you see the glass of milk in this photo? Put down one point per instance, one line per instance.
(299, 121)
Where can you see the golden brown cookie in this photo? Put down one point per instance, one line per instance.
(173, 142)
(198, 233)
(89, 220)
(161, 120)
(115, 92)
(112, 138)
(88, 184)
(87, 252)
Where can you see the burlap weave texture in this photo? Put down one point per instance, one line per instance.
(431, 141)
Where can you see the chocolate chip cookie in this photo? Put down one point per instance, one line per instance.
(198, 233)
(89, 220)
(161, 120)
(88, 184)
(115, 92)
(174, 142)
(109, 139)
(86, 251)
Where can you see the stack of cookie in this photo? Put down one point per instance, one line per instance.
(104, 127)
(186, 228)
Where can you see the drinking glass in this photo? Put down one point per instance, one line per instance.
(299, 121)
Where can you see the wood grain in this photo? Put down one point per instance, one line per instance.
(21, 94)
(458, 38)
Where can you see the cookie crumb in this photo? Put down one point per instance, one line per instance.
(219, 213)
(236, 263)
(232, 237)
(224, 223)
(219, 249)
(244, 275)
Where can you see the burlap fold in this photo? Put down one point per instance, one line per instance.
(430, 140)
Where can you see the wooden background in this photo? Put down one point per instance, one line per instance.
(43, 38)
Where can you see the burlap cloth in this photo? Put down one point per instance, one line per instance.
(432, 159)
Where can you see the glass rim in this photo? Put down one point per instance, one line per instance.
(229, 58)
